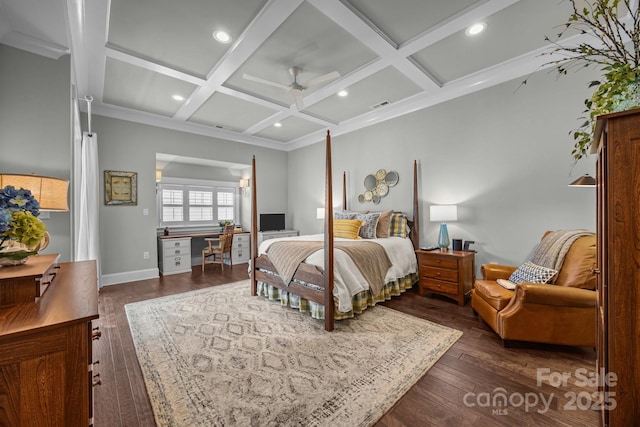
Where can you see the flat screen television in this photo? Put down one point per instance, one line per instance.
(272, 222)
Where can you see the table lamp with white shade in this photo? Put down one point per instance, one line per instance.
(442, 214)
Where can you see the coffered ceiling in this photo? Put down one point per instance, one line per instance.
(156, 62)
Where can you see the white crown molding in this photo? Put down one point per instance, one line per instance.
(34, 45)
(136, 116)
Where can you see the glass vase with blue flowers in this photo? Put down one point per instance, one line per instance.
(22, 234)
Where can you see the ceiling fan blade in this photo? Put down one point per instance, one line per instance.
(298, 99)
(321, 79)
(263, 81)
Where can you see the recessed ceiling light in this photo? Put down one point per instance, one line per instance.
(278, 124)
(476, 29)
(343, 93)
(177, 97)
(222, 36)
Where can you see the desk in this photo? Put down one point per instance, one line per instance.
(178, 252)
(183, 235)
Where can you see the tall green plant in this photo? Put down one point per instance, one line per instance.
(612, 31)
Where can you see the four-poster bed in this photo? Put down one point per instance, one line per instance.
(314, 279)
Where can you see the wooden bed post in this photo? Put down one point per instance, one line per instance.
(254, 228)
(344, 191)
(328, 242)
(415, 230)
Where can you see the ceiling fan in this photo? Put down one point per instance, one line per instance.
(295, 89)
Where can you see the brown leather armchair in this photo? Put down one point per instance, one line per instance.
(563, 313)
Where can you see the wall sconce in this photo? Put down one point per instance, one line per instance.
(584, 181)
(51, 193)
(244, 185)
(442, 213)
(158, 175)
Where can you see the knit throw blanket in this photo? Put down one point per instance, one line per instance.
(553, 248)
(370, 258)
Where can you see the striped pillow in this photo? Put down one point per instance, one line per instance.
(346, 228)
(398, 225)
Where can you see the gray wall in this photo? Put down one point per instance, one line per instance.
(503, 156)
(211, 173)
(35, 127)
(125, 146)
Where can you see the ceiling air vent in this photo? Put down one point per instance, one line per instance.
(381, 104)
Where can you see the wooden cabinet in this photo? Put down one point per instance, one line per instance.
(46, 366)
(447, 273)
(617, 142)
(174, 255)
(266, 235)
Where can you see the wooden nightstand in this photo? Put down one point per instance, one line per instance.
(447, 273)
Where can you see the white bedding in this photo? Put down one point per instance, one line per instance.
(348, 280)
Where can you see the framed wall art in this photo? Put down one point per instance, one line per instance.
(120, 188)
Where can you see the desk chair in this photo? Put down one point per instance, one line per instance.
(217, 252)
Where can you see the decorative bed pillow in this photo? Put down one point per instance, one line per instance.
(398, 225)
(384, 221)
(532, 273)
(368, 228)
(344, 215)
(346, 228)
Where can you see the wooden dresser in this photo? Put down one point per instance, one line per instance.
(27, 282)
(46, 365)
(447, 273)
(617, 142)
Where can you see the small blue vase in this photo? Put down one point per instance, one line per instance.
(443, 238)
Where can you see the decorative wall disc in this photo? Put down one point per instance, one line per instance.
(382, 189)
(377, 185)
(391, 178)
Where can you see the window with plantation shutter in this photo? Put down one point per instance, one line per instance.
(183, 202)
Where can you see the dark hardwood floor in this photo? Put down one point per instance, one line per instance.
(463, 388)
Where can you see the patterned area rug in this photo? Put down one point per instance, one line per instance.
(220, 357)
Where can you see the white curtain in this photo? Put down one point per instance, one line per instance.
(86, 197)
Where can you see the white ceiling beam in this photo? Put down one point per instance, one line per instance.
(97, 35)
(345, 81)
(365, 33)
(513, 68)
(253, 99)
(129, 58)
(267, 21)
(75, 15)
(282, 111)
(269, 121)
(87, 28)
(456, 23)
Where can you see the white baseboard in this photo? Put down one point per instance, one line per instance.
(128, 276)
